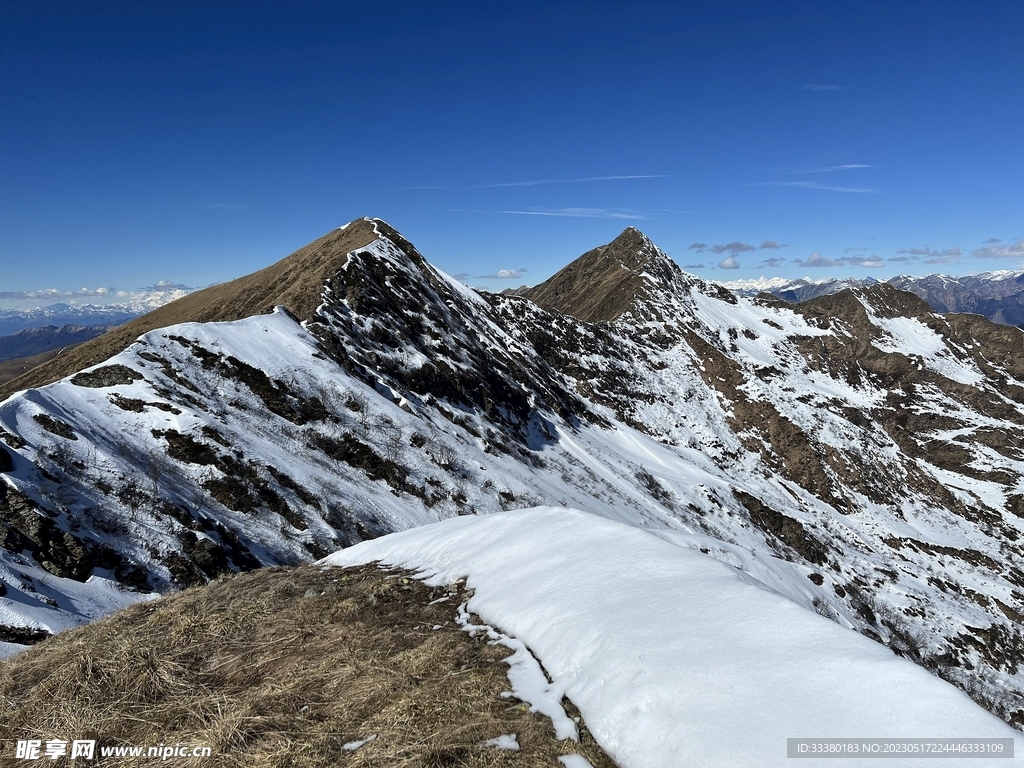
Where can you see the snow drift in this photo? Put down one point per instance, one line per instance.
(672, 657)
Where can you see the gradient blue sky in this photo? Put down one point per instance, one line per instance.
(195, 142)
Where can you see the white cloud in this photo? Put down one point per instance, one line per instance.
(54, 294)
(729, 263)
(504, 274)
(817, 260)
(103, 293)
(871, 262)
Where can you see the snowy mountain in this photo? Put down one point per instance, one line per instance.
(999, 295)
(14, 320)
(857, 454)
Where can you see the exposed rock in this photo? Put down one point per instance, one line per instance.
(107, 376)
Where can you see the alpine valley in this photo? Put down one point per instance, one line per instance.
(856, 453)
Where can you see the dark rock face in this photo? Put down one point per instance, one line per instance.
(107, 376)
(366, 314)
(61, 553)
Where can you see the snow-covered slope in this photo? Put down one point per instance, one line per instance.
(857, 453)
(682, 661)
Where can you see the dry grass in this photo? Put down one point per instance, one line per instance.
(294, 282)
(281, 667)
(10, 369)
(594, 287)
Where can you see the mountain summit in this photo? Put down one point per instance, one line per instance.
(603, 283)
(295, 282)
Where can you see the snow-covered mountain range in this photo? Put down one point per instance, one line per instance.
(857, 454)
(998, 295)
(14, 320)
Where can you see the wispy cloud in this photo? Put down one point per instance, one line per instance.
(832, 169)
(1016, 250)
(816, 185)
(817, 260)
(504, 274)
(542, 182)
(902, 259)
(695, 266)
(772, 245)
(579, 213)
(855, 250)
(992, 240)
(821, 87)
(772, 262)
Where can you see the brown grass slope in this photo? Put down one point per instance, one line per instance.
(294, 282)
(599, 285)
(11, 369)
(283, 667)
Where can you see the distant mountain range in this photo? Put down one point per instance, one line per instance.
(33, 341)
(14, 320)
(998, 296)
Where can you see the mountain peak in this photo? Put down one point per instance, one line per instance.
(295, 282)
(603, 283)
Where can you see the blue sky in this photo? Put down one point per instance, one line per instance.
(196, 142)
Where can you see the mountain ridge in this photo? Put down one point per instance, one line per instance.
(859, 454)
(286, 283)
